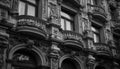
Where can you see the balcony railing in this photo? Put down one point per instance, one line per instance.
(71, 35)
(95, 9)
(31, 21)
(73, 40)
(102, 48)
(31, 24)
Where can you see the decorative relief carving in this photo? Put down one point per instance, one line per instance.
(54, 54)
(90, 62)
(108, 35)
(56, 33)
(53, 11)
(5, 3)
(14, 6)
(54, 63)
(44, 9)
(14, 40)
(3, 14)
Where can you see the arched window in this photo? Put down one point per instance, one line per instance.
(24, 59)
(70, 64)
(99, 67)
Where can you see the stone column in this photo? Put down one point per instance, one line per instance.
(89, 34)
(3, 45)
(91, 62)
(54, 11)
(54, 56)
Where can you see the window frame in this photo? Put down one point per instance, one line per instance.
(96, 32)
(67, 19)
(27, 4)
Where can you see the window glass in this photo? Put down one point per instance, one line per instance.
(68, 25)
(27, 7)
(96, 34)
(96, 38)
(21, 8)
(31, 10)
(66, 21)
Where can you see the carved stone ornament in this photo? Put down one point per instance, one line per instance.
(54, 63)
(54, 54)
(30, 43)
(56, 33)
(14, 6)
(53, 11)
(5, 3)
(91, 59)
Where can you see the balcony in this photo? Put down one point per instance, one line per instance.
(73, 40)
(97, 12)
(32, 26)
(102, 49)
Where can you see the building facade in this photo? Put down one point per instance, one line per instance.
(59, 34)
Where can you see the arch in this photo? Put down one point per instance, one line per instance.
(33, 49)
(100, 65)
(76, 59)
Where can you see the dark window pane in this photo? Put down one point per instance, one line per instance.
(63, 14)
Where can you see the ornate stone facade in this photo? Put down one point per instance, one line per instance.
(30, 42)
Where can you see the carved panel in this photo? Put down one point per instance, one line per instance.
(54, 63)
(56, 33)
(3, 14)
(5, 3)
(14, 6)
(44, 9)
(108, 34)
(53, 11)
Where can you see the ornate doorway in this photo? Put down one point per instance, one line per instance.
(70, 64)
(24, 59)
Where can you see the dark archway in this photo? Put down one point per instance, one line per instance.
(100, 67)
(25, 59)
(69, 64)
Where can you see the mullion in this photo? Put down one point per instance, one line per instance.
(65, 25)
(26, 8)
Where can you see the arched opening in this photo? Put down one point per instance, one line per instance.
(100, 67)
(70, 64)
(25, 59)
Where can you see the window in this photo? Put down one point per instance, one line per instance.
(96, 34)
(66, 21)
(27, 7)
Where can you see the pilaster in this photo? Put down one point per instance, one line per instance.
(4, 44)
(54, 56)
(90, 62)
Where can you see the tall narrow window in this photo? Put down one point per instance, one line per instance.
(27, 7)
(66, 21)
(96, 34)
